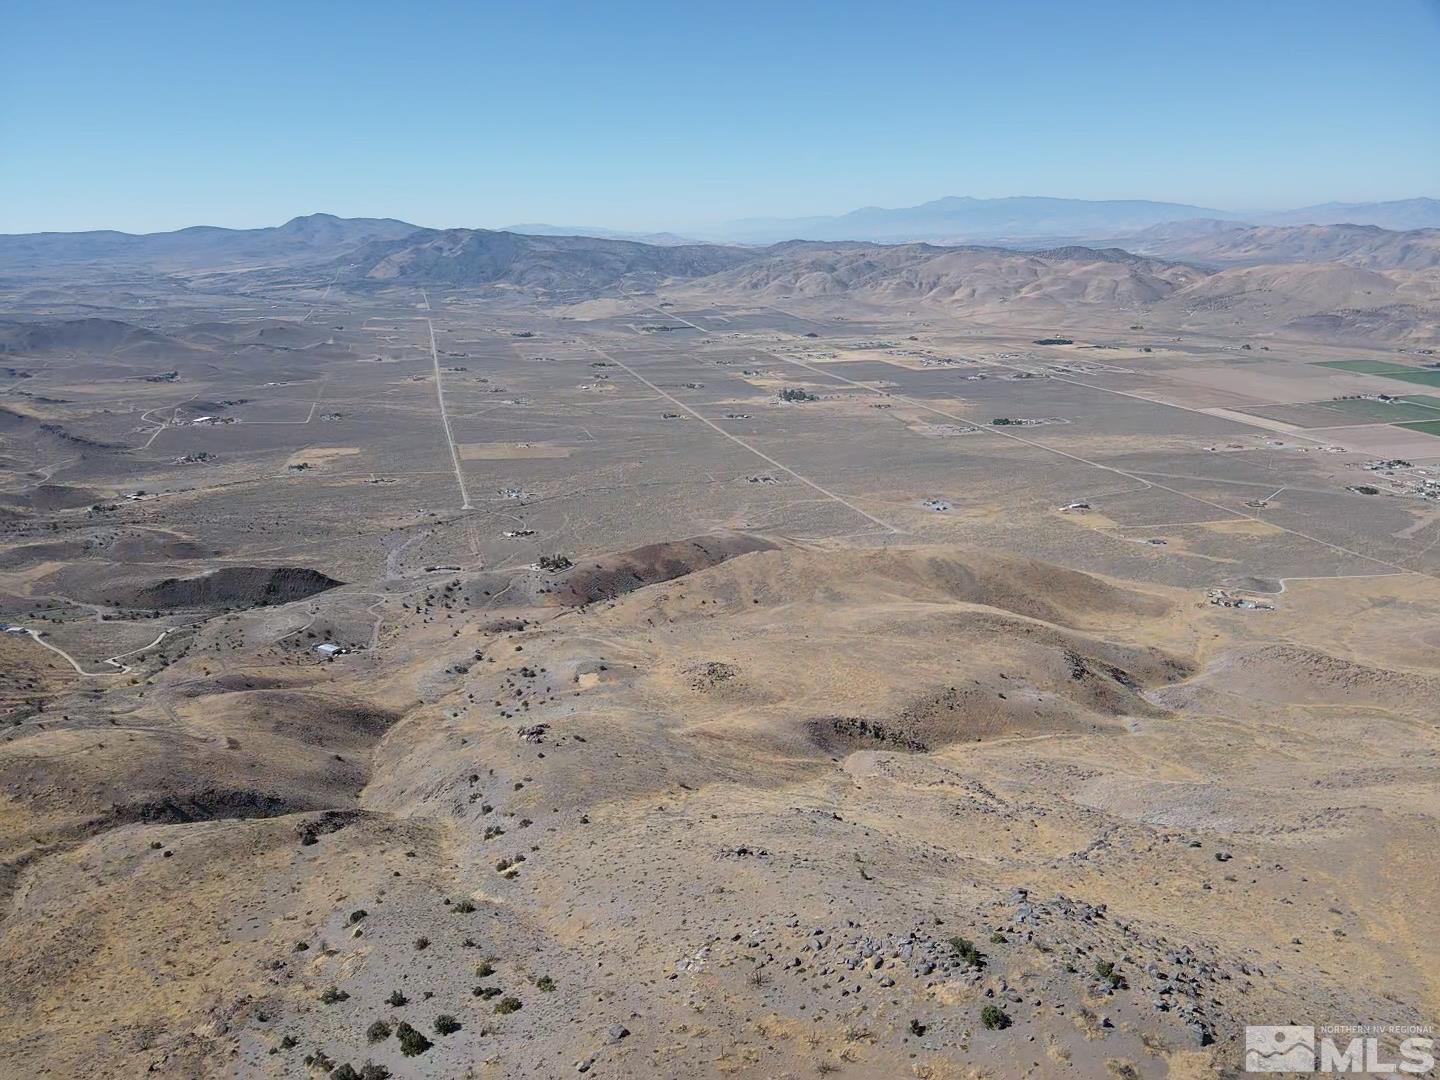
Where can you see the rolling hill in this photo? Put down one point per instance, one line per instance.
(972, 278)
(1225, 243)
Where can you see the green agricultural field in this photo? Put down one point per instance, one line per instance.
(1423, 399)
(1365, 367)
(1429, 427)
(1380, 411)
(1425, 377)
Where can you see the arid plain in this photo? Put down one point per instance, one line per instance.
(689, 669)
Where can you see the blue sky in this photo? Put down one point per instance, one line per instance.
(155, 115)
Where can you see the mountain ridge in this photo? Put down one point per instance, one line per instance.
(1031, 216)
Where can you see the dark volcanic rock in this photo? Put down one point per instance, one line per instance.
(233, 586)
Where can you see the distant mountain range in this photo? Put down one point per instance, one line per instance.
(662, 239)
(958, 219)
(1171, 230)
(553, 263)
(374, 252)
(1336, 281)
(1400, 215)
(1028, 218)
(303, 239)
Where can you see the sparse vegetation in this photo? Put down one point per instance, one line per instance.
(1106, 970)
(966, 952)
(994, 1018)
(379, 1031)
(412, 1042)
(507, 1005)
(445, 1024)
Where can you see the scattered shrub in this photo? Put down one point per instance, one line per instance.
(445, 1024)
(331, 995)
(379, 1031)
(966, 952)
(1106, 970)
(507, 1005)
(412, 1042)
(994, 1018)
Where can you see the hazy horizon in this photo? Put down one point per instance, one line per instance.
(663, 229)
